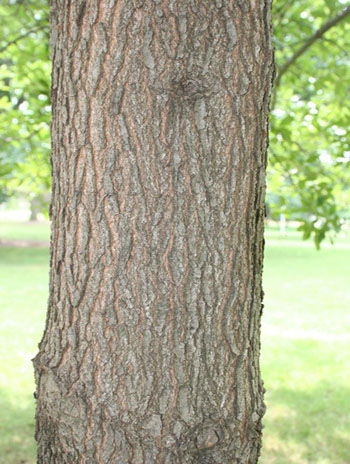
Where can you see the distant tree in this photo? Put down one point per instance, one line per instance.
(159, 133)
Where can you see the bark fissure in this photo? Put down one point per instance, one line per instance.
(159, 137)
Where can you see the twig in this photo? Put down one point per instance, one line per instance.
(310, 41)
(23, 36)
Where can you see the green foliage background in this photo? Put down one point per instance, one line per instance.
(24, 98)
(309, 176)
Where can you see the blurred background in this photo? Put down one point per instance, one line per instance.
(306, 323)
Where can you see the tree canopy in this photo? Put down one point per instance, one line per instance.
(309, 143)
(309, 175)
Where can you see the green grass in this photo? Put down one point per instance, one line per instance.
(31, 231)
(23, 295)
(305, 352)
(305, 347)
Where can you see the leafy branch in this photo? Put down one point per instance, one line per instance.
(23, 36)
(309, 42)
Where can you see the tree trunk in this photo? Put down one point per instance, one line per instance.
(159, 136)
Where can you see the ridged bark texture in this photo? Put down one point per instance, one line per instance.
(159, 138)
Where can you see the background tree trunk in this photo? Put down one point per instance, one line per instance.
(159, 137)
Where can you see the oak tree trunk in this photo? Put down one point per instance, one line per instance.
(159, 136)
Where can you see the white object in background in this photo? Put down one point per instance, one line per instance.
(283, 227)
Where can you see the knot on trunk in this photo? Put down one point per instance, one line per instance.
(206, 438)
(194, 87)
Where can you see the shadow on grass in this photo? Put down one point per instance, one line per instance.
(314, 424)
(17, 445)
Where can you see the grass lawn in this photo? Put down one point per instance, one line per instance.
(23, 296)
(305, 347)
(31, 231)
(305, 352)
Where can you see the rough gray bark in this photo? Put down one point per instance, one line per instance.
(159, 137)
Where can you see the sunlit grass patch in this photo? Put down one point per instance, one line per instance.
(31, 231)
(305, 354)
